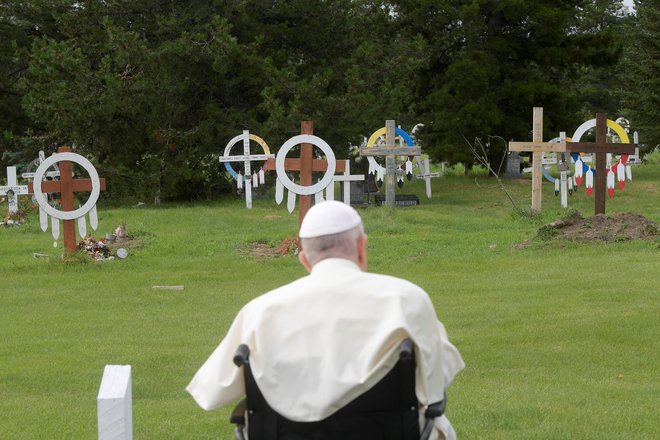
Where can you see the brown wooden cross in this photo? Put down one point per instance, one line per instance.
(67, 186)
(306, 164)
(600, 148)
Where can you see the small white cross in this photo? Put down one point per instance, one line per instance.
(12, 190)
(347, 178)
(426, 174)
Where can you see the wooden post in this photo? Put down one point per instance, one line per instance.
(600, 185)
(306, 169)
(66, 201)
(390, 165)
(537, 157)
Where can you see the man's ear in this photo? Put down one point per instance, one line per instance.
(304, 261)
(362, 253)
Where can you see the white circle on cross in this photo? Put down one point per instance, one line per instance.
(69, 157)
(318, 186)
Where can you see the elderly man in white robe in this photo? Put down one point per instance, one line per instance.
(339, 315)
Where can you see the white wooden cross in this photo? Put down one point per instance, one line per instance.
(12, 190)
(115, 404)
(634, 159)
(248, 180)
(424, 166)
(426, 174)
(347, 178)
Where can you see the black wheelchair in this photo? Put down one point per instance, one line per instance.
(387, 411)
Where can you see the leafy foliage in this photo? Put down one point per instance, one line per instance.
(151, 91)
(640, 71)
(498, 59)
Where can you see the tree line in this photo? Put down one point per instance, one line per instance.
(151, 91)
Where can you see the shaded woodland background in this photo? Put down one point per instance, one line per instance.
(151, 91)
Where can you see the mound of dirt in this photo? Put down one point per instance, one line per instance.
(288, 246)
(622, 226)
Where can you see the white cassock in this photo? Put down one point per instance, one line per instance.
(322, 340)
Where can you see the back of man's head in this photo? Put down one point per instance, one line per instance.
(331, 230)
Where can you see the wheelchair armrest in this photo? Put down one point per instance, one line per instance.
(242, 355)
(406, 349)
(238, 414)
(238, 418)
(433, 411)
(436, 409)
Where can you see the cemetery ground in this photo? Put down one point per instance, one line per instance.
(560, 338)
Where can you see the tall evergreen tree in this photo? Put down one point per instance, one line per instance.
(149, 89)
(640, 71)
(493, 61)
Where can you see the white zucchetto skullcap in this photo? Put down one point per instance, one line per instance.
(329, 217)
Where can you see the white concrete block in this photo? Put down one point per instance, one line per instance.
(115, 407)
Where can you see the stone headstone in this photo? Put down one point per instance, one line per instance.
(115, 407)
(358, 193)
(513, 164)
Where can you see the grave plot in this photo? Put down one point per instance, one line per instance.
(67, 186)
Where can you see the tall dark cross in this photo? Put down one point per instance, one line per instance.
(600, 148)
(306, 165)
(67, 186)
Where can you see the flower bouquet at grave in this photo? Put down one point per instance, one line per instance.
(97, 249)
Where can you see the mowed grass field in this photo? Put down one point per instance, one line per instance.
(561, 340)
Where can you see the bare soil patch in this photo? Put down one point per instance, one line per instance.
(288, 246)
(617, 227)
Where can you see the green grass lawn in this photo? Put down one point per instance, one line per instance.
(561, 340)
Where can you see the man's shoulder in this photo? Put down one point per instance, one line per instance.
(276, 295)
(393, 281)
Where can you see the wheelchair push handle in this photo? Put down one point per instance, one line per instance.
(406, 349)
(242, 355)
